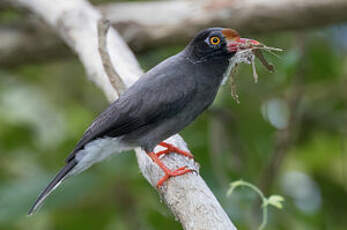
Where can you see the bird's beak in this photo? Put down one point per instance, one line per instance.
(235, 43)
(242, 44)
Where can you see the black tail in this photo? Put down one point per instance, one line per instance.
(52, 185)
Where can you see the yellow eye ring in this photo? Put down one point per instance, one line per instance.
(214, 40)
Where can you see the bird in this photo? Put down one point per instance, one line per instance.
(164, 100)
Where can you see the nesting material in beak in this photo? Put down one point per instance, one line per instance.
(246, 50)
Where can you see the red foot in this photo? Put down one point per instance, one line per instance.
(168, 172)
(170, 148)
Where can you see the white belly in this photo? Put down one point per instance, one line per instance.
(96, 151)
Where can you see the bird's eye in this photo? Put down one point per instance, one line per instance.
(214, 40)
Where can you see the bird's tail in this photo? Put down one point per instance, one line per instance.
(62, 174)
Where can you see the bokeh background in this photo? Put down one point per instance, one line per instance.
(288, 136)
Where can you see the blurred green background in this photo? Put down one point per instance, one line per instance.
(288, 136)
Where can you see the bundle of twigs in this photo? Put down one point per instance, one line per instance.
(248, 55)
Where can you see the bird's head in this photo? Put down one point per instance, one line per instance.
(217, 43)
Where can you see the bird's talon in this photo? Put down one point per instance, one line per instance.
(182, 168)
(163, 152)
(169, 173)
(180, 172)
(170, 148)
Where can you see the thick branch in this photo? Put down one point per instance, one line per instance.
(152, 24)
(187, 196)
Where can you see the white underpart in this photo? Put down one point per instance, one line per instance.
(244, 56)
(96, 151)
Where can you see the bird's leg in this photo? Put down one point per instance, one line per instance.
(168, 172)
(170, 148)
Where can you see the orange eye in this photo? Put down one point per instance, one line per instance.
(214, 40)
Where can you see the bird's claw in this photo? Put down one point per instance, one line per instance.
(169, 173)
(170, 148)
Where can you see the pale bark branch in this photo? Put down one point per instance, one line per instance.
(187, 196)
(146, 25)
(115, 79)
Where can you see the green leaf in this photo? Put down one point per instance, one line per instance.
(276, 201)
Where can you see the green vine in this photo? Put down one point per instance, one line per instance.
(273, 200)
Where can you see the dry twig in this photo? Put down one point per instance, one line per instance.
(115, 79)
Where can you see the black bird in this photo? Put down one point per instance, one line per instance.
(161, 103)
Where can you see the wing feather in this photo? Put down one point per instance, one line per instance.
(149, 100)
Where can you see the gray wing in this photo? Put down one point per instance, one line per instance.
(151, 99)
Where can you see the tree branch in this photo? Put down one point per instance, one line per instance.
(188, 196)
(176, 22)
(115, 80)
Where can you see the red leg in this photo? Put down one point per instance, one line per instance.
(170, 148)
(168, 172)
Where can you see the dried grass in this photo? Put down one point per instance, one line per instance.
(248, 56)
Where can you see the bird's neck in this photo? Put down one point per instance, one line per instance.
(215, 69)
